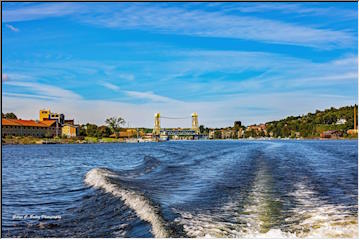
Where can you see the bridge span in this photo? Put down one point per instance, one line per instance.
(183, 133)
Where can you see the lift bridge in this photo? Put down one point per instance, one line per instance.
(192, 133)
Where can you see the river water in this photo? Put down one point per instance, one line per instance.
(181, 189)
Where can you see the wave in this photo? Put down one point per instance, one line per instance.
(148, 165)
(100, 178)
(321, 219)
(261, 216)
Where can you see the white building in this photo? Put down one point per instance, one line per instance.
(341, 121)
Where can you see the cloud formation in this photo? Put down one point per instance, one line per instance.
(150, 96)
(110, 86)
(45, 90)
(39, 11)
(12, 28)
(176, 19)
(219, 113)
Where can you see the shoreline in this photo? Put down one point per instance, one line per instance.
(37, 141)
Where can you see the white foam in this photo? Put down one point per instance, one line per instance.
(321, 219)
(97, 178)
(312, 218)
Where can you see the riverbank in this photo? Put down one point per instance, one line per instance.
(17, 140)
(14, 140)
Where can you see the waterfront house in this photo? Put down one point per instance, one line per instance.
(257, 128)
(70, 130)
(19, 127)
(340, 121)
(228, 133)
(331, 134)
(48, 115)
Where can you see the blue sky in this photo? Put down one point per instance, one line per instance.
(253, 62)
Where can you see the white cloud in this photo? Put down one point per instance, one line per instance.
(219, 24)
(292, 9)
(45, 90)
(216, 114)
(31, 96)
(12, 28)
(40, 11)
(110, 86)
(149, 96)
(179, 20)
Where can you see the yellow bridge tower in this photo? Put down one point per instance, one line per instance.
(195, 122)
(156, 130)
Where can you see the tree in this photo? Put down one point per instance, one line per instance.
(237, 125)
(115, 123)
(217, 134)
(103, 131)
(10, 116)
(82, 131)
(201, 128)
(91, 130)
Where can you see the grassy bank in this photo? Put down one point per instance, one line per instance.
(36, 140)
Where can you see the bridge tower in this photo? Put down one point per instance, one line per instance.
(195, 122)
(156, 130)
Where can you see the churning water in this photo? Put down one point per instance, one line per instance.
(182, 189)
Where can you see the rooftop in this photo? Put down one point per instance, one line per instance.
(26, 123)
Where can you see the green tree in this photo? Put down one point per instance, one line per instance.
(237, 125)
(10, 116)
(217, 134)
(82, 131)
(201, 128)
(115, 123)
(91, 130)
(103, 131)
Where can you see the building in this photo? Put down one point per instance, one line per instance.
(228, 133)
(331, 134)
(128, 133)
(211, 134)
(225, 133)
(44, 114)
(148, 136)
(18, 127)
(340, 121)
(179, 134)
(257, 128)
(240, 133)
(69, 121)
(48, 115)
(69, 130)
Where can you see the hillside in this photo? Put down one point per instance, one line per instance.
(313, 124)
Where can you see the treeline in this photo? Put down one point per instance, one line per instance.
(112, 127)
(9, 115)
(313, 124)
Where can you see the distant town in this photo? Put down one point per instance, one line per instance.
(52, 128)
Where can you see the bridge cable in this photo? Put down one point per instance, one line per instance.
(176, 117)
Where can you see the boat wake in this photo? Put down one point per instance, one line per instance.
(101, 178)
(262, 216)
(314, 218)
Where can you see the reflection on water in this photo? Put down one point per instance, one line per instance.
(183, 189)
